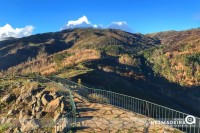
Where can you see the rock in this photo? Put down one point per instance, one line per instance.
(63, 107)
(8, 98)
(57, 115)
(24, 114)
(29, 124)
(107, 69)
(38, 115)
(33, 111)
(37, 109)
(12, 112)
(9, 120)
(39, 95)
(3, 120)
(55, 95)
(19, 100)
(53, 105)
(46, 99)
(16, 130)
(61, 125)
(34, 100)
(36, 90)
(25, 97)
(39, 103)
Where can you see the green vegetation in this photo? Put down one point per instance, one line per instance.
(59, 57)
(113, 49)
(192, 59)
(4, 127)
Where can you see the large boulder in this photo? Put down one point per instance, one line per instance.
(53, 105)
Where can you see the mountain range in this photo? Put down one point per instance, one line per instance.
(161, 67)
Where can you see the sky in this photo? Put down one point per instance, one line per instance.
(20, 18)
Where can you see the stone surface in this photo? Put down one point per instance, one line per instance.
(101, 118)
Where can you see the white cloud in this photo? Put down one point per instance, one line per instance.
(83, 22)
(121, 25)
(8, 31)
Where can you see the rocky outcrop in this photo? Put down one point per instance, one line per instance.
(33, 107)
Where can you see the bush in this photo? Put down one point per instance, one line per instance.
(192, 59)
(98, 98)
(59, 57)
(112, 49)
(128, 60)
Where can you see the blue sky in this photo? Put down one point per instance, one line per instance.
(144, 16)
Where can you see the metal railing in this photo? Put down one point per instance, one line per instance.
(160, 114)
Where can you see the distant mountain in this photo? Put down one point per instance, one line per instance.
(15, 51)
(161, 67)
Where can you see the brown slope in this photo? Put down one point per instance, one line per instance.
(16, 51)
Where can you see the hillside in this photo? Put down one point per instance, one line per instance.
(111, 41)
(178, 59)
(139, 65)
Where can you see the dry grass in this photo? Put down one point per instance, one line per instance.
(45, 65)
(98, 98)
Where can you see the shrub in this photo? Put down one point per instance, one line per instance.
(192, 59)
(98, 98)
(128, 60)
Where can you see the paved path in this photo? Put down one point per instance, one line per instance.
(101, 118)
